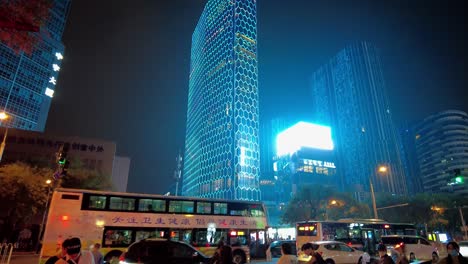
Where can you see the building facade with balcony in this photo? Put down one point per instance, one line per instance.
(222, 154)
(442, 152)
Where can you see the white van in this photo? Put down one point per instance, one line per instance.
(416, 247)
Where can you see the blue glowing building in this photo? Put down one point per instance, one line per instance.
(349, 93)
(222, 139)
(27, 82)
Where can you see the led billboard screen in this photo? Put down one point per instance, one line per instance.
(303, 134)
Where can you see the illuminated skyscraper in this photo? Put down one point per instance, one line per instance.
(349, 93)
(442, 152)
(27, 82)
(222, 140)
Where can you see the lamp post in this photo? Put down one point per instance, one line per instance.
(3, 116)
(381, 170)
(41, 229)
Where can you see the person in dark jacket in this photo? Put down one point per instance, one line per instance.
(60, 255)
(454, 256)
(309, 249)
(384, 257)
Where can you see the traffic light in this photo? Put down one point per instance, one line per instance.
(62, 161)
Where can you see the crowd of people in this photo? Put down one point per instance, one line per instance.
(71, 253)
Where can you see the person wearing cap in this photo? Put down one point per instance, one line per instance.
(454, 256)
(309, 249)
(384, 257)
(401, 254)
(75, 255)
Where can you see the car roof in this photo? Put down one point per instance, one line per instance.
(327, 242)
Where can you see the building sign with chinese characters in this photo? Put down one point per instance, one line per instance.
(170, 220)
(319, 163)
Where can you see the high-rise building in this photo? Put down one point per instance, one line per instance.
(410, 160)
(27, 82)
(442, 150)
(222, 139)
(349, 94)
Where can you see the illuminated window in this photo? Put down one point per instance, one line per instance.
(204, 208)
(220, 208)
(97, 202)
(181, 206)
(150, 205)
(125, 204)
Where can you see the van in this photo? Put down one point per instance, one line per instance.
(416, 247)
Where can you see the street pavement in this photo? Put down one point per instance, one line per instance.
(24, 258)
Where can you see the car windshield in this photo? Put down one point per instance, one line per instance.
(391, 240)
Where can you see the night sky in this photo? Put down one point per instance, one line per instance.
(124, 77)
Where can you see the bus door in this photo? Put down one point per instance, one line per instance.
(369, 241)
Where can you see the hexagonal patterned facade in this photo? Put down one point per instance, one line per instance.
(222, 158)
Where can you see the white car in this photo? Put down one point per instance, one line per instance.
(334, 252)
(416, 247)
(463, 248)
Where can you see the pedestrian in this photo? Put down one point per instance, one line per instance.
(454, 256)
(61, 254)
(75, 255)
(287, 256)
(98, 258)
(400, 249)
(226, 255)
(384, 258)
(217, 255)
(310, 250)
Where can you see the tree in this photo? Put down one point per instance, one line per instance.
(23, 193)
(79, 177)
(19, 19)
(315, 202)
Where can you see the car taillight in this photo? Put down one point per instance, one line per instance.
(122, 257)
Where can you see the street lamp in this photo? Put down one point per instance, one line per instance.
(381, 170)
(41, 229)
(3, 116)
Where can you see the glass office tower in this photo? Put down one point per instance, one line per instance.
(27, 82)
(349, 93)
(222, 139)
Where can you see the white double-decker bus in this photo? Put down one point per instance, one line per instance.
(115, 220)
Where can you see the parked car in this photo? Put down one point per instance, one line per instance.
(334, 252)
(416, 247)
(274, 250)
(159, 250)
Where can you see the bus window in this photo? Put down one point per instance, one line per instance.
(142, 234)
(204, 207)
(256, 210)
(117, 237)
(181, 206)
(125, 204)
(238, 209)
(220, 208)
(97, 202)
(151, 205)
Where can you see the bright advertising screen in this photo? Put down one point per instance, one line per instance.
(303, 134)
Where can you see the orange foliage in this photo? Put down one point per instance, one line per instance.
(19, 19)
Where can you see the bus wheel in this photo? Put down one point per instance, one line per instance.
(112, 254)
(330, 261)
(238, 257)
